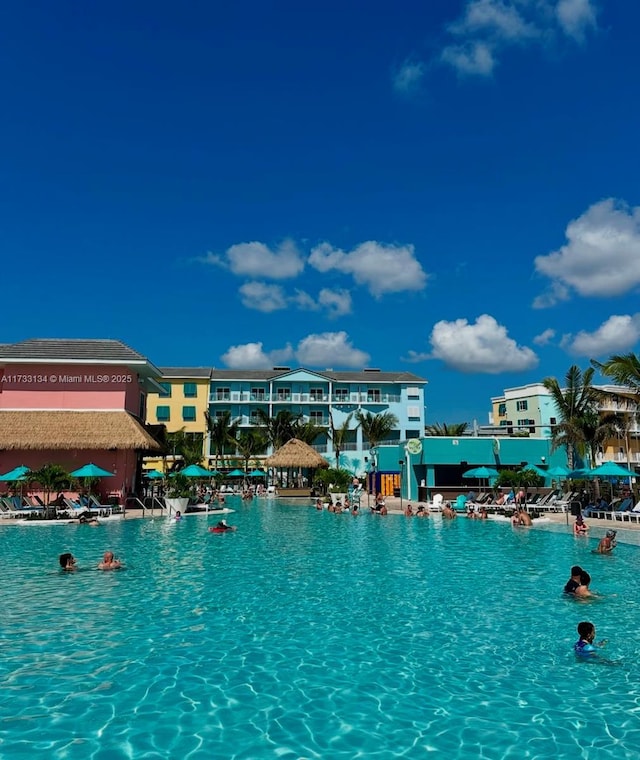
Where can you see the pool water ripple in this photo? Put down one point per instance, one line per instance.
(312, 635)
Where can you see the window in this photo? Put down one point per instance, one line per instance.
(316, 394)
(341, 394)
(522, 406)
(163, 414)
(552, 420)
(257, 394)
(223, 394)
(316, 418)
(373, 394)
(166, 390)
(253, 417)
(413, 392)
(188, 413)
(190, 390)
(284, 394)
(413, 412)
(502, 410)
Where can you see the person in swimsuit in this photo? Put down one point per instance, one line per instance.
(607, 544)
(67, 562)
(574, 581)
(580, 527)
(584, 647)
(109, 562)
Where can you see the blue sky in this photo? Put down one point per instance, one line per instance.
(449, 188)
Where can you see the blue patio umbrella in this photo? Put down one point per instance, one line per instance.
(193, 471)
(579, 474)
(91, 471)
(153, 474)
(18, 473)
(236, 474)
(257, 474)
(481, 473)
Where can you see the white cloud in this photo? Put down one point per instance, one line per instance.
(555, 293)
(322, 350)
(247, 356)
(258, 260)
(487, 28)
(616, 335)
(495, 18)
(545, 337)
(381, 268)
(413, 357)
(483, 347)
(576, 17)
(329, 350)
(408, 77)
(262, 297)
(336, 302)
(601, 257)
(475, 58)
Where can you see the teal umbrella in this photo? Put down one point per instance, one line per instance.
(579, 474)
(18, 473)
(257, 474)
(481, 473)
(537, 470)
(153, 474)
(194, 471)
(236, 474)
(558, 471)
(214, 473)
(611, 470)
(91, 471)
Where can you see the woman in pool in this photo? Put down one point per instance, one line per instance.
(67, 562)
(580, 527)
(607, 544)
(222, 527)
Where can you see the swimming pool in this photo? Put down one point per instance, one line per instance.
(313, 635)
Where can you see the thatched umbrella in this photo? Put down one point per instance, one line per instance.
(298, 454)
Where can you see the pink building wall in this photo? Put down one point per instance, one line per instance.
(59, 386)
(74, 388)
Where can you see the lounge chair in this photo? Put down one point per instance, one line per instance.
(436, 502)
(623, 509)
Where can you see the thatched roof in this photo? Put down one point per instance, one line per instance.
(296, 453)
(65, 430)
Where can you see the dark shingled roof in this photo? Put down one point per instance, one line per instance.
(185, 372)
(347, 377)
(56, 349)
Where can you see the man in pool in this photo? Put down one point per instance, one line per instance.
(109, 562)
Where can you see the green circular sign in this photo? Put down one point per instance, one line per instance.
(414, 446)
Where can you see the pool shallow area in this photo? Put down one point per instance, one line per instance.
(309, 634)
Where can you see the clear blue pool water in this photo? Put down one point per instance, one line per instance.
(313, 635)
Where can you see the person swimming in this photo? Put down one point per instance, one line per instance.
(222, 527)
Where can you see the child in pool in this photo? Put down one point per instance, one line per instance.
(584, 646)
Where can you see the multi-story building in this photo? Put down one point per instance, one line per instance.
(531, 409)
(325, 398)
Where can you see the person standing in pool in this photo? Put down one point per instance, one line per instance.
(607, 544)
(584, 647)
(574, 581)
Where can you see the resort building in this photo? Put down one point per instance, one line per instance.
(325, 398)
(73, 402)
(531, 410)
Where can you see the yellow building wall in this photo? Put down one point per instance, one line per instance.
(176, 402)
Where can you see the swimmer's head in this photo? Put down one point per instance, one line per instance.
(611, 533)
(576, 570)
(586, 629)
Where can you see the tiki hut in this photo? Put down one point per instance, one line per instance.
(114, 440)
(295, 462)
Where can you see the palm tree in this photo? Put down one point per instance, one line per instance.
(279, 429)
(249, 444)
(222, 433)
(307, 431)
(456, 429)
(376, 427)
(339, 435)
(185, 445)
(576, 400)
(51, 478)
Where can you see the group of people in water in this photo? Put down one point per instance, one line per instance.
(68, 562)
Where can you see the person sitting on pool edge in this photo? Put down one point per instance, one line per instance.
(67, 561)
(109, 562)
